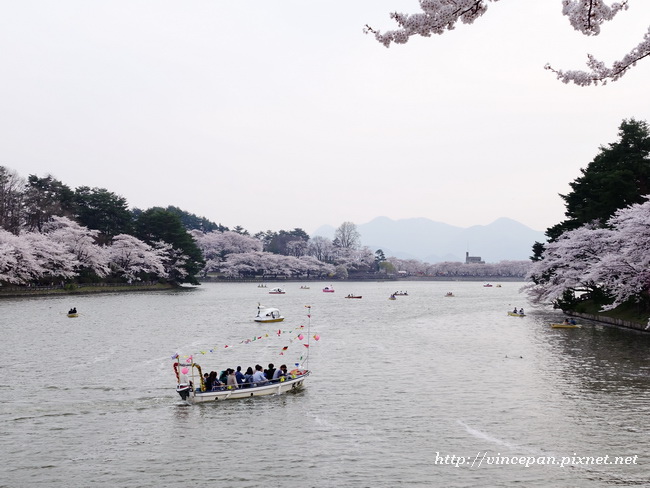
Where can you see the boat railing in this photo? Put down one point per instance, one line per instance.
(250, 386)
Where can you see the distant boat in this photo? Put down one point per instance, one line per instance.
(516, 314)
(487, 285)
(449, 294)
(277, 291)
(304, 287)
(354, 296)
(566, 325)
(401, 294)
(328, 289)
(392, 297)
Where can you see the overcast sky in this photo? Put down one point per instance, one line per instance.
(281, 114)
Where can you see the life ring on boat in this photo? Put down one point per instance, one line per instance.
(297, 372)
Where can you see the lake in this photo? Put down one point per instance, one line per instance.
(425, 390)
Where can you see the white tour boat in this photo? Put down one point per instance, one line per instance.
(277, 291)
(196, 394)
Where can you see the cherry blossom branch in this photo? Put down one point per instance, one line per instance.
(585, 16)
(601, 74)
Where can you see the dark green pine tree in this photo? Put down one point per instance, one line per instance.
(618, 176)
(157, 224)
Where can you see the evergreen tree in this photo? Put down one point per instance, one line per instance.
(102, 210)
(618, 177)
(156, 224)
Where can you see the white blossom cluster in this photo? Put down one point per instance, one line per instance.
(615, 258)
(64, 248)
(438, 17)
(585, 16)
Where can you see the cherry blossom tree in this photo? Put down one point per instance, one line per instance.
(568, 265)
(130, 258)
(585, 16)
(216, 246)
(81, 242)
(32, 257)
(613, 261)
(624, 269)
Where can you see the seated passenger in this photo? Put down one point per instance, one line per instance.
(269, 373)
(248, 377)
(232, 379)
(258, 377)
(281, 373)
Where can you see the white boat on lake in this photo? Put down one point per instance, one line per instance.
(277, 291)
(268, 314)
(197, 394)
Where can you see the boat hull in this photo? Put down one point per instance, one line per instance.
(566, 326)
(512, 314)
(264, 321)
(274, 388)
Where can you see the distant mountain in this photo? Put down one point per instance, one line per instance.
(430, 241)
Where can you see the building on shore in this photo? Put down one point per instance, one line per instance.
(473, 259)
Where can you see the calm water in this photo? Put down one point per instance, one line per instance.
(396, 387)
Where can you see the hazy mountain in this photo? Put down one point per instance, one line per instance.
(426, 240)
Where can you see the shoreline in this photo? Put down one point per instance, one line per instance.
(82, 290)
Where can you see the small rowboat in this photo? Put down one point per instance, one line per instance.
(512, 314)
(328, 289)
(72, 315)
(566, 326)
(354, 296)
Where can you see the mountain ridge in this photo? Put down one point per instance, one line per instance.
(431, 241)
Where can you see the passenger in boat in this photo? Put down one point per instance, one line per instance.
(521, 311)
(223, 377)
(258, 377)
(566, 322)
(232, 379)
(212, 383)
(515, 310)
(573, 322)
(280, 373)
(73, 310)
(240, 376)
(269, 373)
(248, 377)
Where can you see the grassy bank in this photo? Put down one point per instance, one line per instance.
(630, 312)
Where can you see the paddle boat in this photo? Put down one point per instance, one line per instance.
(73, 313)
(268, 314)
(449, 294)
(189, 374)
(354, 296)
(277, 291)
(517, 314)
(566, 326)
(328, 289)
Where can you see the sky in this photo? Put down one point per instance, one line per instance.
(275, 115)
